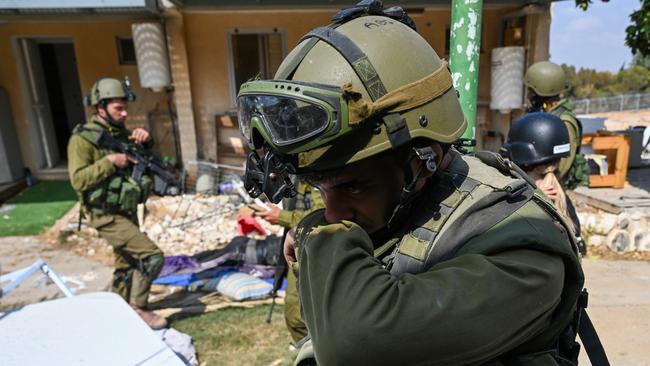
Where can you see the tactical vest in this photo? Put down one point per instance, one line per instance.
(577, 173)
(302, 200)
(564, 113)
(118, 193)
(469, 210)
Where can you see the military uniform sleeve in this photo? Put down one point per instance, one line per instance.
(463, 311)
(84, 172)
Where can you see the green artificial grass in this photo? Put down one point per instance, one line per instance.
(37, 208)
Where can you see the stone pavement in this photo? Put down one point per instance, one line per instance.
(80, 274)
(619, 306)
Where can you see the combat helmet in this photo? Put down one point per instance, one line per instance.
(546, 79)
(537, 138)
(360, 86)
(109, 88)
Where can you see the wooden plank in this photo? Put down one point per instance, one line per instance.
(622, 158)
(602, 181)
(227, 121)
(594, 202)
(607, 142)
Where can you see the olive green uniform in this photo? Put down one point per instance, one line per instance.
(306, 201)
(99, 183)
(561, 109)
(502, 296)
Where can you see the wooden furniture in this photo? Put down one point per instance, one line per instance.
(231, 149)
(617, 149)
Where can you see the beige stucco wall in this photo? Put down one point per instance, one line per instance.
(207, 48)
(201, 37)
(96, 53)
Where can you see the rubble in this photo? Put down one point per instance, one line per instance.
(189, 224)
(179, 225)
(625, 232)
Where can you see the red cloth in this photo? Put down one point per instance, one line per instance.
(247, 224)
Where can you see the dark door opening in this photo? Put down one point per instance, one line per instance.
(62, 87)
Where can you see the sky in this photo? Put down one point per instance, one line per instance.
(594, 38)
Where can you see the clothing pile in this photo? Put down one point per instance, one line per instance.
(243, 270)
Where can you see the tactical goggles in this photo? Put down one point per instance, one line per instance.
(289, 114)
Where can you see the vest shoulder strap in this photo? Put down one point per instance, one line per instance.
(491, 190)
(88, 131)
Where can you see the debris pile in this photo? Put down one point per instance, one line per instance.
(189, 224)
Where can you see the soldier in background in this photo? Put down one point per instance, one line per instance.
(110, 197)
(546, 83)
(537, 142)
(295, 209)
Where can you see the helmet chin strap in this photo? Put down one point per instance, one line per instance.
(426, 155)
(108, 118)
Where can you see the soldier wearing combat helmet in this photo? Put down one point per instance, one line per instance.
(546, 83)
(110, 197)
(422, 255)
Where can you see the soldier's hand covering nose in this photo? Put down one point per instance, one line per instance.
(140, 136)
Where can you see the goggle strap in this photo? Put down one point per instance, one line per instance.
(355, 57)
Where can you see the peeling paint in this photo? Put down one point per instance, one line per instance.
(471, 31)
(459, 23)
(465, 48)
(470, 50)
(455, 77)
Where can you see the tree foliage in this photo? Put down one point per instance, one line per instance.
(637, 34)
(584, 4)
(588, 83)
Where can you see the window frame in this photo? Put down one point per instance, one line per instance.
(231, 62)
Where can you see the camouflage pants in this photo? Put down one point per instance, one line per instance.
(138, 260)
(292, 316)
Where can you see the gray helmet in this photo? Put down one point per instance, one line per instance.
(546, 79)
(537, 138)
(109, 88)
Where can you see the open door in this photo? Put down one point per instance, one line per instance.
(55, 97)
(42, 126)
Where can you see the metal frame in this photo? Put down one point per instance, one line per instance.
(41, 145)
(17, 277)
(231, 65)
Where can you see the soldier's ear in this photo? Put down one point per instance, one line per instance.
(101, 111)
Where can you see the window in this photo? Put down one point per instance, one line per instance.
(126, 51)
(254, 54)
(514, 32)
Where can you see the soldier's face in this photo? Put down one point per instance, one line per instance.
(117, 109)
(365, 192)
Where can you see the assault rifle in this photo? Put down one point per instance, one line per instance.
(164, 181)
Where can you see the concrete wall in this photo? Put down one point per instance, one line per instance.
(207, 50)
(96, 53)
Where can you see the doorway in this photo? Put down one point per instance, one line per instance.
(55, 96)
